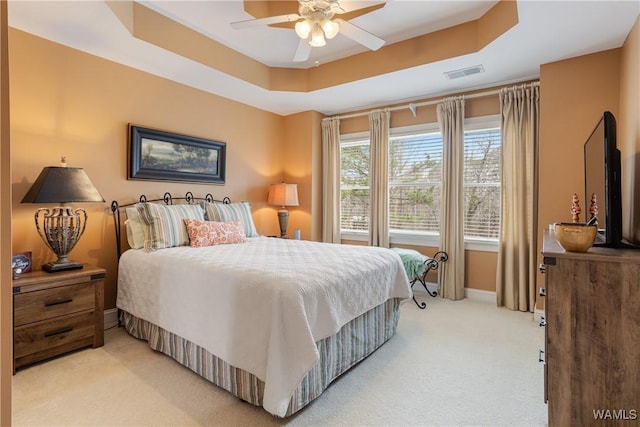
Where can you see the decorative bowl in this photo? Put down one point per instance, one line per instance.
(575, 237)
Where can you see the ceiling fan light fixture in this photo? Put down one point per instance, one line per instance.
(330, 28)
(303, 29)
(315, 23)
(317, 37)
(334, 7)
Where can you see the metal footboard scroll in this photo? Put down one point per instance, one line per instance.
(430, 264)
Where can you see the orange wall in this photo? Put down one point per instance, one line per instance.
(66, 102)
(302, 134)
(570, 110)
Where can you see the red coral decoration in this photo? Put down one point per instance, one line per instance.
(575, 208)
(593, 208)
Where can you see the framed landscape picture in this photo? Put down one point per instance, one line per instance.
(165, 156)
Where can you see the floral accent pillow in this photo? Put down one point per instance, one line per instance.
(209, 233)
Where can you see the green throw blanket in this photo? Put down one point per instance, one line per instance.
(413, 262)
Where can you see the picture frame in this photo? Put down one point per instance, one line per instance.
(158, 155)
(22, 261)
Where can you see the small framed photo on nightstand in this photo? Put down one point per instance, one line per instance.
(22, 261)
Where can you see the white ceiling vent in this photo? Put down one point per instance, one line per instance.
(463, 72)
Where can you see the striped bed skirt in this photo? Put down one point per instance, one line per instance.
(355, 341)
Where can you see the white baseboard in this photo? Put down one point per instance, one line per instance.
(110, 318)
(480, 295)
(474, 294)
(490, 297)
(418, 289)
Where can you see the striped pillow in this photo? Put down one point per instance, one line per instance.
(225, 212)
(165, 224)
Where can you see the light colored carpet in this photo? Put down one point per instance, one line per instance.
(455, 363)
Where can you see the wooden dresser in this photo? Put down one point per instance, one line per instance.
(54, 313)
(592, 336)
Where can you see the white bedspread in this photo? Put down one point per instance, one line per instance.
(261, 305)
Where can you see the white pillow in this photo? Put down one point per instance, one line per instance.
(135, 228)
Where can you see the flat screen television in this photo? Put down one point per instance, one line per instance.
(602, 180)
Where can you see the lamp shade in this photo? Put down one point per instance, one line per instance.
(330, 28)
(317, 36)
(59, 184)
(303, 29)
(283, 194)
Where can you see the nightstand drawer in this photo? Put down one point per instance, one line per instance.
(49, 303)
(48, 335)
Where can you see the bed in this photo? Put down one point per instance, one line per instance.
(273, 321)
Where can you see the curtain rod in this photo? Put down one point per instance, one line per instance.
(412, 106)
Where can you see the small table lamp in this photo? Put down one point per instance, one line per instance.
(61, 227)
(283, 195)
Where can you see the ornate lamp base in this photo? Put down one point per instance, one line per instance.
(52, 267)
(283, 220)
(60, 228)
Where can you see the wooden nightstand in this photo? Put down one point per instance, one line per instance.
(55, 313)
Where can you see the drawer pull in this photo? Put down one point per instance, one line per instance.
(541, 356)
(62, 301)
(58, 332)
(543, 321)
(542, 292)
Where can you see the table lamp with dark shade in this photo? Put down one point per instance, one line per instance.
(283, 195)
(61, 227)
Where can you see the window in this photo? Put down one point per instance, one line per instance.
(414, 182)
(354, 185)
(482, 178)
(415, 159)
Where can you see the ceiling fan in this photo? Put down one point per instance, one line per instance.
(316, 22)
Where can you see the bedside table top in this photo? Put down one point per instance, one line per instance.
(40, 276)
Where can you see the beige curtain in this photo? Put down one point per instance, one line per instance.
(451, 120)
(516, 274)
(378, 175)
(331, 180)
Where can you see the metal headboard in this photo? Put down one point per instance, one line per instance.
(167, 199)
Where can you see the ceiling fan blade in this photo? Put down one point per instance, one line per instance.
(265, 21)
(359, 35)
(303, 51)
(350, 12)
